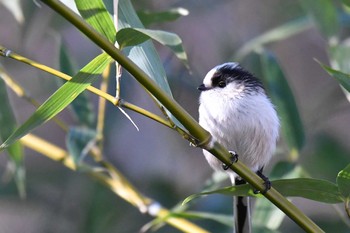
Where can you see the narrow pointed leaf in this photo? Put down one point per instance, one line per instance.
(287, 170)
(240, 190)
(283, 169)
(159, 222)
(8, 123)
(282, 97)
(81, 106)
(342, 78)
(96, 14)
(340, 57)
(130, 37)
(281, 32)
(343, 181)
(61, 98)
(313, 189)
(144, 55)
(15, 151)
(135, 36)
(78, 141)
(148, 17)
(324, 15)
(268, 215)
(265, 213)
(220, 218)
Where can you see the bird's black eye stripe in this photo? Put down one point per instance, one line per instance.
(229, 74)
(218, 80)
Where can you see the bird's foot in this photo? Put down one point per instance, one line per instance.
(233, 159)
(266, 180)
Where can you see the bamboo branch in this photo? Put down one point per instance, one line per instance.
(115, 181)
(20, 92)
(116, 102)
(102, 108)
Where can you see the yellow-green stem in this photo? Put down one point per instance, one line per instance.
(116, 102)
(144, 112)
(102, 107)
(54, 72)
(115, 182)
(20, 92)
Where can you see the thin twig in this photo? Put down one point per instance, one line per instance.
(20, 92)
(102, 108)
(118, 72)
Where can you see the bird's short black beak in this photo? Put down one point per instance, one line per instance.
(202, 87)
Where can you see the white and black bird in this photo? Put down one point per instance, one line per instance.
(236, 111)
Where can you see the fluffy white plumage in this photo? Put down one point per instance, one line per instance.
(236, 111)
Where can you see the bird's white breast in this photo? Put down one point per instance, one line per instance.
(246, 123)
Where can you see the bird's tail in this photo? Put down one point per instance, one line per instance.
(241, 210)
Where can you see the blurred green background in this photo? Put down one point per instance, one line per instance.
(156, 160)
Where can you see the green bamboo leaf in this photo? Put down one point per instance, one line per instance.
(15, 151)
(145, 55)
(340, 57)
(8, 123)
(281, 32)
(343, 181)
(81, 106)
(96, 14)
(135, 36)
(78, 141)
(265, 213)
(313, 189)
(220, 218)
(239, 190)
(130, 37)
(147, 17)
(157, 223)
(61, 98)
(283, 169)
(282, 96)
(324, 14)
(287, 170)
(342, 78)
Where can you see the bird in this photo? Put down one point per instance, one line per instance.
(235, 109)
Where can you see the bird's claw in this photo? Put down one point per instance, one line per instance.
(266, 180)
(233, 159)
